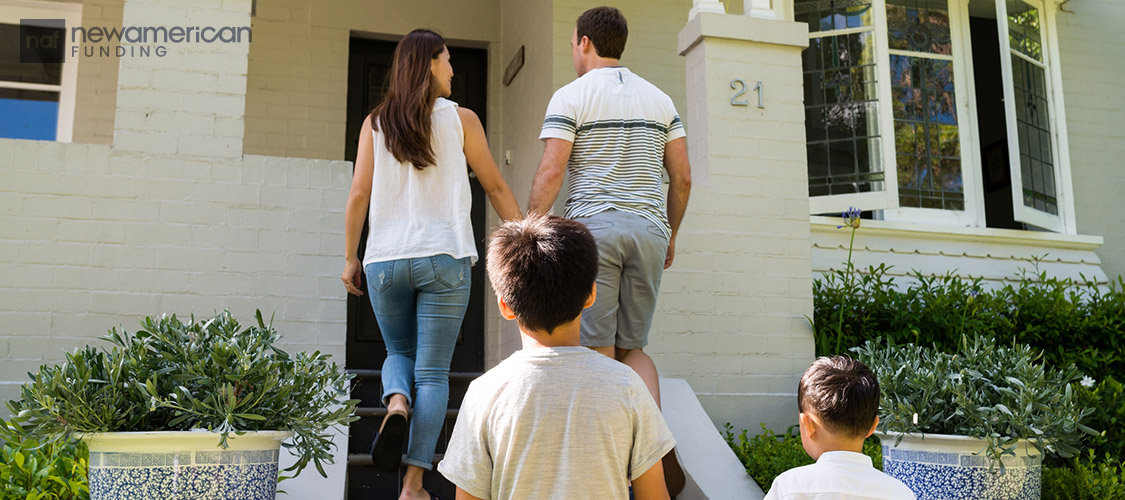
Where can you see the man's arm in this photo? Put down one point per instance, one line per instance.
(650, 486)
(679, 187)
(548, 179)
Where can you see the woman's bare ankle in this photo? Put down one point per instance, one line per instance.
(397, 402)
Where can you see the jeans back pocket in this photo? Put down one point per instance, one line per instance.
(451, 272)
(379, 275)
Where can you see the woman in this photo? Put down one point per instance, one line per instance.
(410, 180)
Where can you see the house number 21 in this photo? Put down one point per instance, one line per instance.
(740, 86)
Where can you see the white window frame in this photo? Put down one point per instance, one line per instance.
(1056, 118)
(11, 11)
(885, 202)
(964, 92)
(888, 197)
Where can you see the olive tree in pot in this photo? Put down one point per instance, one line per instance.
(192, 409)
(975, 424)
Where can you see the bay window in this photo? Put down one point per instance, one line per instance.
(935, 111)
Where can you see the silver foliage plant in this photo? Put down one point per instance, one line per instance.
(209, 375)
(997, 393)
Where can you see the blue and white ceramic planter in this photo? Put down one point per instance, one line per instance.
(183, 466)
(943, 467)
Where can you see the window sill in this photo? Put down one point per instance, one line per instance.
(904, 230)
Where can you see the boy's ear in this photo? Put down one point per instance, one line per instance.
(808, 425)
(593, 295)
(505, 311)
(872, 429)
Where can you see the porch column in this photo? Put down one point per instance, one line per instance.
(743, 258)
(185, 99)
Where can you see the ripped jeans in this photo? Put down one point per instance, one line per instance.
(419, 304)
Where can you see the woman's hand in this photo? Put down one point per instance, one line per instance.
(359, 197)
(352, 278)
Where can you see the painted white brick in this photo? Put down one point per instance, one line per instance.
(192, 213)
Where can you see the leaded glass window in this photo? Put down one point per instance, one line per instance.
(1033, 125)
(841, 101)
(927, 140)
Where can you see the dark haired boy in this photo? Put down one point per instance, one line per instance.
(838, 401)
(555, 419)
(613, 134)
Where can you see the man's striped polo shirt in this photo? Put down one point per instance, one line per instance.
(619, 124)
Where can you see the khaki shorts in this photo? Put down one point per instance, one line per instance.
(631, 251)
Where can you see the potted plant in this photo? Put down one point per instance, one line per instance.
(974, 424)
(192, 409)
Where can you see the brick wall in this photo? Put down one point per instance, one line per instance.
(96, 95)
(298, 69)
(1091, 46)
(170, 218)
(731, 315)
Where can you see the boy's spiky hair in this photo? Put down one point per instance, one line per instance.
(543, 267)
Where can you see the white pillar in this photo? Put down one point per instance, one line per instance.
(713, 6)
(742, 283)
(762, 9)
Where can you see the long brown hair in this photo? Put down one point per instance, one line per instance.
(404, 113)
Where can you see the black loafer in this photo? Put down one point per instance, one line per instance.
(386, 449)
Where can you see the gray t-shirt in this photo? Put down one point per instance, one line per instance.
(560, 422)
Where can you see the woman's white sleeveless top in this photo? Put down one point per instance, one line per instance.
(421, 213)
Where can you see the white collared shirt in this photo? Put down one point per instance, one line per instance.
(838, 475)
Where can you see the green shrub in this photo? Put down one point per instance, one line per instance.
(1108, 396)
(30, 470)
(993, 392)
(176, 376)
(767, 455)
(1071, 322)
(1087, 479)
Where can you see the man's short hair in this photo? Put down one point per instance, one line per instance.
(606, 28)
(843, 392)
(543, 267)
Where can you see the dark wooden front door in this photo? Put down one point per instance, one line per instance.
(369, 65)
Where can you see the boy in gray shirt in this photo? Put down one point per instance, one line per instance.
(554, 420)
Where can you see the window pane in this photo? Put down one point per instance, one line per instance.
(841, 115)
(28, 114)
(12, 70)
(1033, 123)
(1023, 30)
(828, 15)
(927, 139)
(918, 26)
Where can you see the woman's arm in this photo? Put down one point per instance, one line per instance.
(480, 160)
(359, 197)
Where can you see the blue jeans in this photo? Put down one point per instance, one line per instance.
(419, 304)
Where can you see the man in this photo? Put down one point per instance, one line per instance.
(615, 134)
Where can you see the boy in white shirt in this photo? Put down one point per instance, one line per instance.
(555, 419)
(838, 401)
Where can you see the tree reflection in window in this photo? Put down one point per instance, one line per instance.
(841, 106)
(927, 142)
